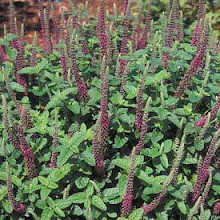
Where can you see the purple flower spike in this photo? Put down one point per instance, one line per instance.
(128, 196)
(213, 113)
(216, 209)
(17, 206)
(124, 41)
(143, 41)
(201, 122)
(125, 5)
(201, 15)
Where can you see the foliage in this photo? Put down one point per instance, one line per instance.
(78, 109)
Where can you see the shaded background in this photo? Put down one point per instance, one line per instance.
(27, 11)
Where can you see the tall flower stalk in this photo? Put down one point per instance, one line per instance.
(80, 83)
(203, 168)
(55, 143)
(11, 137)
(139, 99)
(98, 150)
(47, 35)
(197, 29)
(34, 50)
(176, 163)
(143, 41)
(17, 44)
(156, 201)
(27, 154)
(196, 63)
(124, 39)
(101, 30)
(104, 118)
(128, 195)
(101, 129)
(17, 206)
(169, 36)
(144, 126)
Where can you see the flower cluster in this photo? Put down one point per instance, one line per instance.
(143, 41)
(128, 196)
(81, 85)
(197, 28)
(55, 143)
(139, 100)
(203, 168)
(213, 114)
(17, 206)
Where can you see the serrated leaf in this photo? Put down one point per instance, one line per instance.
(136, 214)
(7, 206)
(81, 182)
(78, 198)
(174, 119)
(182, 207)
(88, 157)
(28, 70)
(17, 87)
(111, 193)
(47, 214)
(44, 192)
(59, 212)
(97, 202)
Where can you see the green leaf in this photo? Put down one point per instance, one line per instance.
(44, 192)
(111, 193)
(97, 202)
(122, 163)
(47, 214)
(28, 70)
(162, 113)
(7, 206)
(16, 181)
(216, 188)
(190, 161)
(69, 147)
(78, 198)
(74, 107)
(164, 160)
(41, 65)
(63, 203)
(136, 214)
(174, 119)
(50, 202)
(162, 75)
(81, 182)
(88, 157)
(182, 207)
(59, 212)
(152, 189)
(17, 87)
(131, 91)
(120, 142)
(3, 192)
(77, 210)
(43, 180)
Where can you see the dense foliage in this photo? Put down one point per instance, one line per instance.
(111, 119)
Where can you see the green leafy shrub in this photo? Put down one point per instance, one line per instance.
(114, 119)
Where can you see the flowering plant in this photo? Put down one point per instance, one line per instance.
(110, 119)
